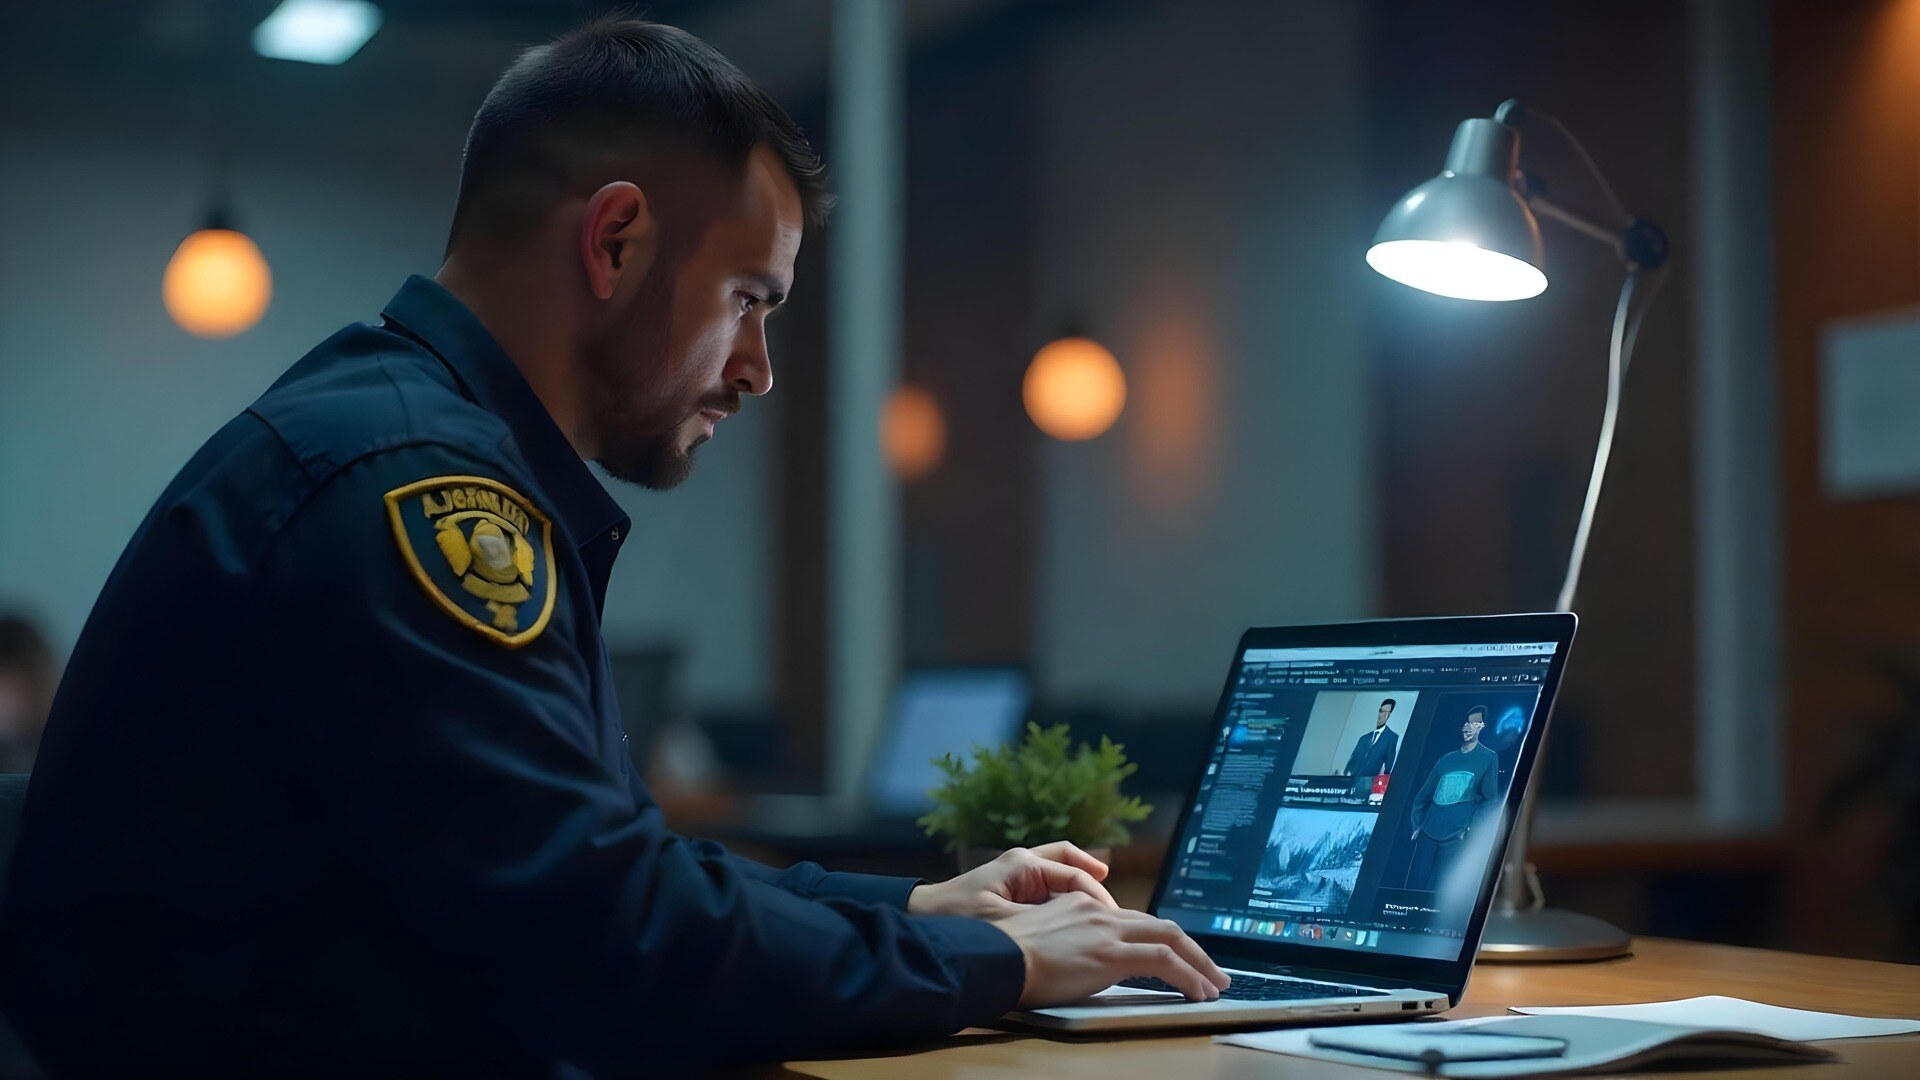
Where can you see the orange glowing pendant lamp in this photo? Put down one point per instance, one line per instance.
(217, 284)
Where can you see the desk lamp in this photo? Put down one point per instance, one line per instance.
(1473, 233)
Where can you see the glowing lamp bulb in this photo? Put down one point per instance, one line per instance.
(217, 283)
(1074, 389)
(913, 434)
(1457, 268)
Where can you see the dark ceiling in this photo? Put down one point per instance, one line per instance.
(184, 69)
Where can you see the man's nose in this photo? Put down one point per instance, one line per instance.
(750, 369)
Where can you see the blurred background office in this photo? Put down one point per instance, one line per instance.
(1282, 436)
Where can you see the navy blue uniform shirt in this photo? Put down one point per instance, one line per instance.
(336, 782)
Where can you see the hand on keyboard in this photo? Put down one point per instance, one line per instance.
(1075, 946)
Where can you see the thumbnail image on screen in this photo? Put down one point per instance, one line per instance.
(1313, 859)
(1355, 735)
(1450, 820)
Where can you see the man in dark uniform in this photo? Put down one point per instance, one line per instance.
(335, 780)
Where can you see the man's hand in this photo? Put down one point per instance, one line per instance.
(1018, 878)
(1075, 946)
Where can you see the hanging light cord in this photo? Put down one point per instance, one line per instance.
(1626, 331)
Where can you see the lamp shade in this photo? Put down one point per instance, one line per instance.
(1466, 233)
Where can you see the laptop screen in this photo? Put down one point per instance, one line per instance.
(937, 711)
(1353, 795)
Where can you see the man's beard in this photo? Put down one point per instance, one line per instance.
(653, 463)
(635, 448)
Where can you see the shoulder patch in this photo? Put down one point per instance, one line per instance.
(481, 551)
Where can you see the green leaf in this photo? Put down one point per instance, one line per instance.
(1040, 789)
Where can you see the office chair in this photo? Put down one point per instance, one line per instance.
(13, 796)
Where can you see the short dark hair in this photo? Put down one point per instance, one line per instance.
(1480, 710)
(1390, 703)
(615, 87)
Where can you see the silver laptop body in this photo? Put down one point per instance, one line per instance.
(1338, 852)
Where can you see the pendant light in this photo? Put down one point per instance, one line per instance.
(1074, 389)
(913, 432)
(217, 284)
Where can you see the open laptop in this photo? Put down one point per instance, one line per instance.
(1338, 853)
(933, 711)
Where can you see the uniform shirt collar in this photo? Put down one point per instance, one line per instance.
(437, 318)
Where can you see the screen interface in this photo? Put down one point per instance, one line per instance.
(1352, 798)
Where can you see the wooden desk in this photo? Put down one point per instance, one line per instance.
(1660, 970)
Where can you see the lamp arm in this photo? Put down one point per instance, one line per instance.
(1577, 221)
(1643, 247)
(1637, 241)
(1617, 359)
(1513, 114)
(1640, 244)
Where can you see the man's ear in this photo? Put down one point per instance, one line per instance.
(619, 238)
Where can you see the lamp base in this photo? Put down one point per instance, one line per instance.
(1549, 935)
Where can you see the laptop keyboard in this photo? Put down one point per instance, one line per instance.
(1255, 988)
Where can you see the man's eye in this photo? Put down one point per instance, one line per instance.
(748, 302)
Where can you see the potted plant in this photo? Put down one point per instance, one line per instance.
(1036, 791)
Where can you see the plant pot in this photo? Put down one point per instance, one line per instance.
(971, 858)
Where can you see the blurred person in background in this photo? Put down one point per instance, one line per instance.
(27, 678)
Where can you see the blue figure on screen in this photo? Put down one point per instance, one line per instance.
(1506, 735)
(1506, 732)
(1459, 786)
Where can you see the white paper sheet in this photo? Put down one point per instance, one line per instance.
(1588, 1043)
(1738, 1014)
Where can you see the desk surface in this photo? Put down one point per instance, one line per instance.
(1660, 970)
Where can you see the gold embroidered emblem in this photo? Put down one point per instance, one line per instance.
(488, 558)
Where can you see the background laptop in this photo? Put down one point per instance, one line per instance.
(1330, 895)
(932, 711)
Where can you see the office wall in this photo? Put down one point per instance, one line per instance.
(102, 398)
(1846, 214)
(968, 526)
(1198, 165)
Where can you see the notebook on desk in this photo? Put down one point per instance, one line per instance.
(1503, 1046)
